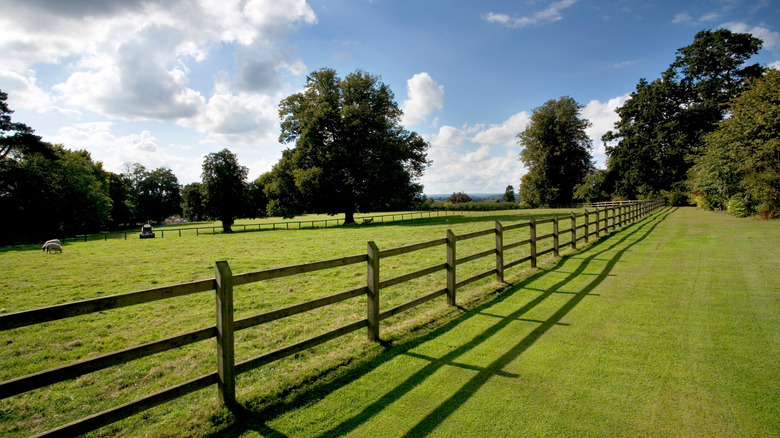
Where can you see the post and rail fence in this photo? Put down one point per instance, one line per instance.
(224, 377)
(267, 226)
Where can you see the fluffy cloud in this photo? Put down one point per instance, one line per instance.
(505, 133)
(551, 14)
(448, 136)
(424, 96)
(771, 39)
(134, 60)
(602, 116)
(453, 171)
(115, 151)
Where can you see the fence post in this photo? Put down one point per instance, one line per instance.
(451, 268)
(532, 238)
(499, 252)
(573, 231)
(587, 227)
(225, 342)
(555, 235)
(373, 292)
(598, 223)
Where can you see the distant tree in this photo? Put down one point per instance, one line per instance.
(82, 187)
(194, 202)
(120, 190)
(740, 166)
(662, 124)
(556, 151)
(509, 194)
(156, 194)
(350, 152)
(459, 197)
(223, 179)
(256, 200)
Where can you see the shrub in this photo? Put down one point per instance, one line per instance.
(737, 207)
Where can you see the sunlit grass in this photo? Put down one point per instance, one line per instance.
(98, 268)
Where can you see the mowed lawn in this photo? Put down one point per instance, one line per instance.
(670, 327)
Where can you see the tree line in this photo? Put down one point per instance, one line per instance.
(706, 132)
(350, 154)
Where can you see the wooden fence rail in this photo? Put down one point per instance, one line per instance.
(224, 281)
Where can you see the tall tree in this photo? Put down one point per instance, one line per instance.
(662, 124)
(223, 179)
(556, 151)
(350, 152)
(741, 161)
(509, 194)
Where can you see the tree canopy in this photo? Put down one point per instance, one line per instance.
(350, 152)
(223, 181)
(556, 151)
(740, 166)
(662, 124)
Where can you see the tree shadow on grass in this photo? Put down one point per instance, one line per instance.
(257, 420)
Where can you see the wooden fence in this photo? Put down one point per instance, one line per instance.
(595, 223)
(285, 225)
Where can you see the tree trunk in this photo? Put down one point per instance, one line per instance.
(349, 218)
(226, 226)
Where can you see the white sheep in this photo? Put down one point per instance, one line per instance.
(52, 247)
(57, 241)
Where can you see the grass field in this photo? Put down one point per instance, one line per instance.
(667, 328)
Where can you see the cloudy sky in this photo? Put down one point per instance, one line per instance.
(165, 82)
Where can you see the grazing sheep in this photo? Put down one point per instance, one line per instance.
(52, 247)
(368, 221)
(57, 241)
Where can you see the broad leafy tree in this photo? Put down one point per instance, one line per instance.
(662, 124)
(194, 202)
(156, 194)
(556, 151)
(740, 166)
(350, 152)
(223, 180)
(459, 198)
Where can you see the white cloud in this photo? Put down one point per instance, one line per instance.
(551, 14)
(424, 96)
(682, 18)
(775, 64)
(133, 60)
(114, 151)
(448, 136)
(453, 171)
(602, 116)
(504, 134)
(771, 39)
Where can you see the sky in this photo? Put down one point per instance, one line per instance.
(166, 82)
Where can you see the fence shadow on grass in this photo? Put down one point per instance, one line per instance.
(257, 420)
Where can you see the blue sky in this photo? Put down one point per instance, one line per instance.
(164, 83)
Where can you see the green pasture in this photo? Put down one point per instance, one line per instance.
(32, 279)
(668, 327)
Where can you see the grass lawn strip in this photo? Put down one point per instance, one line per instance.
(668, 328)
